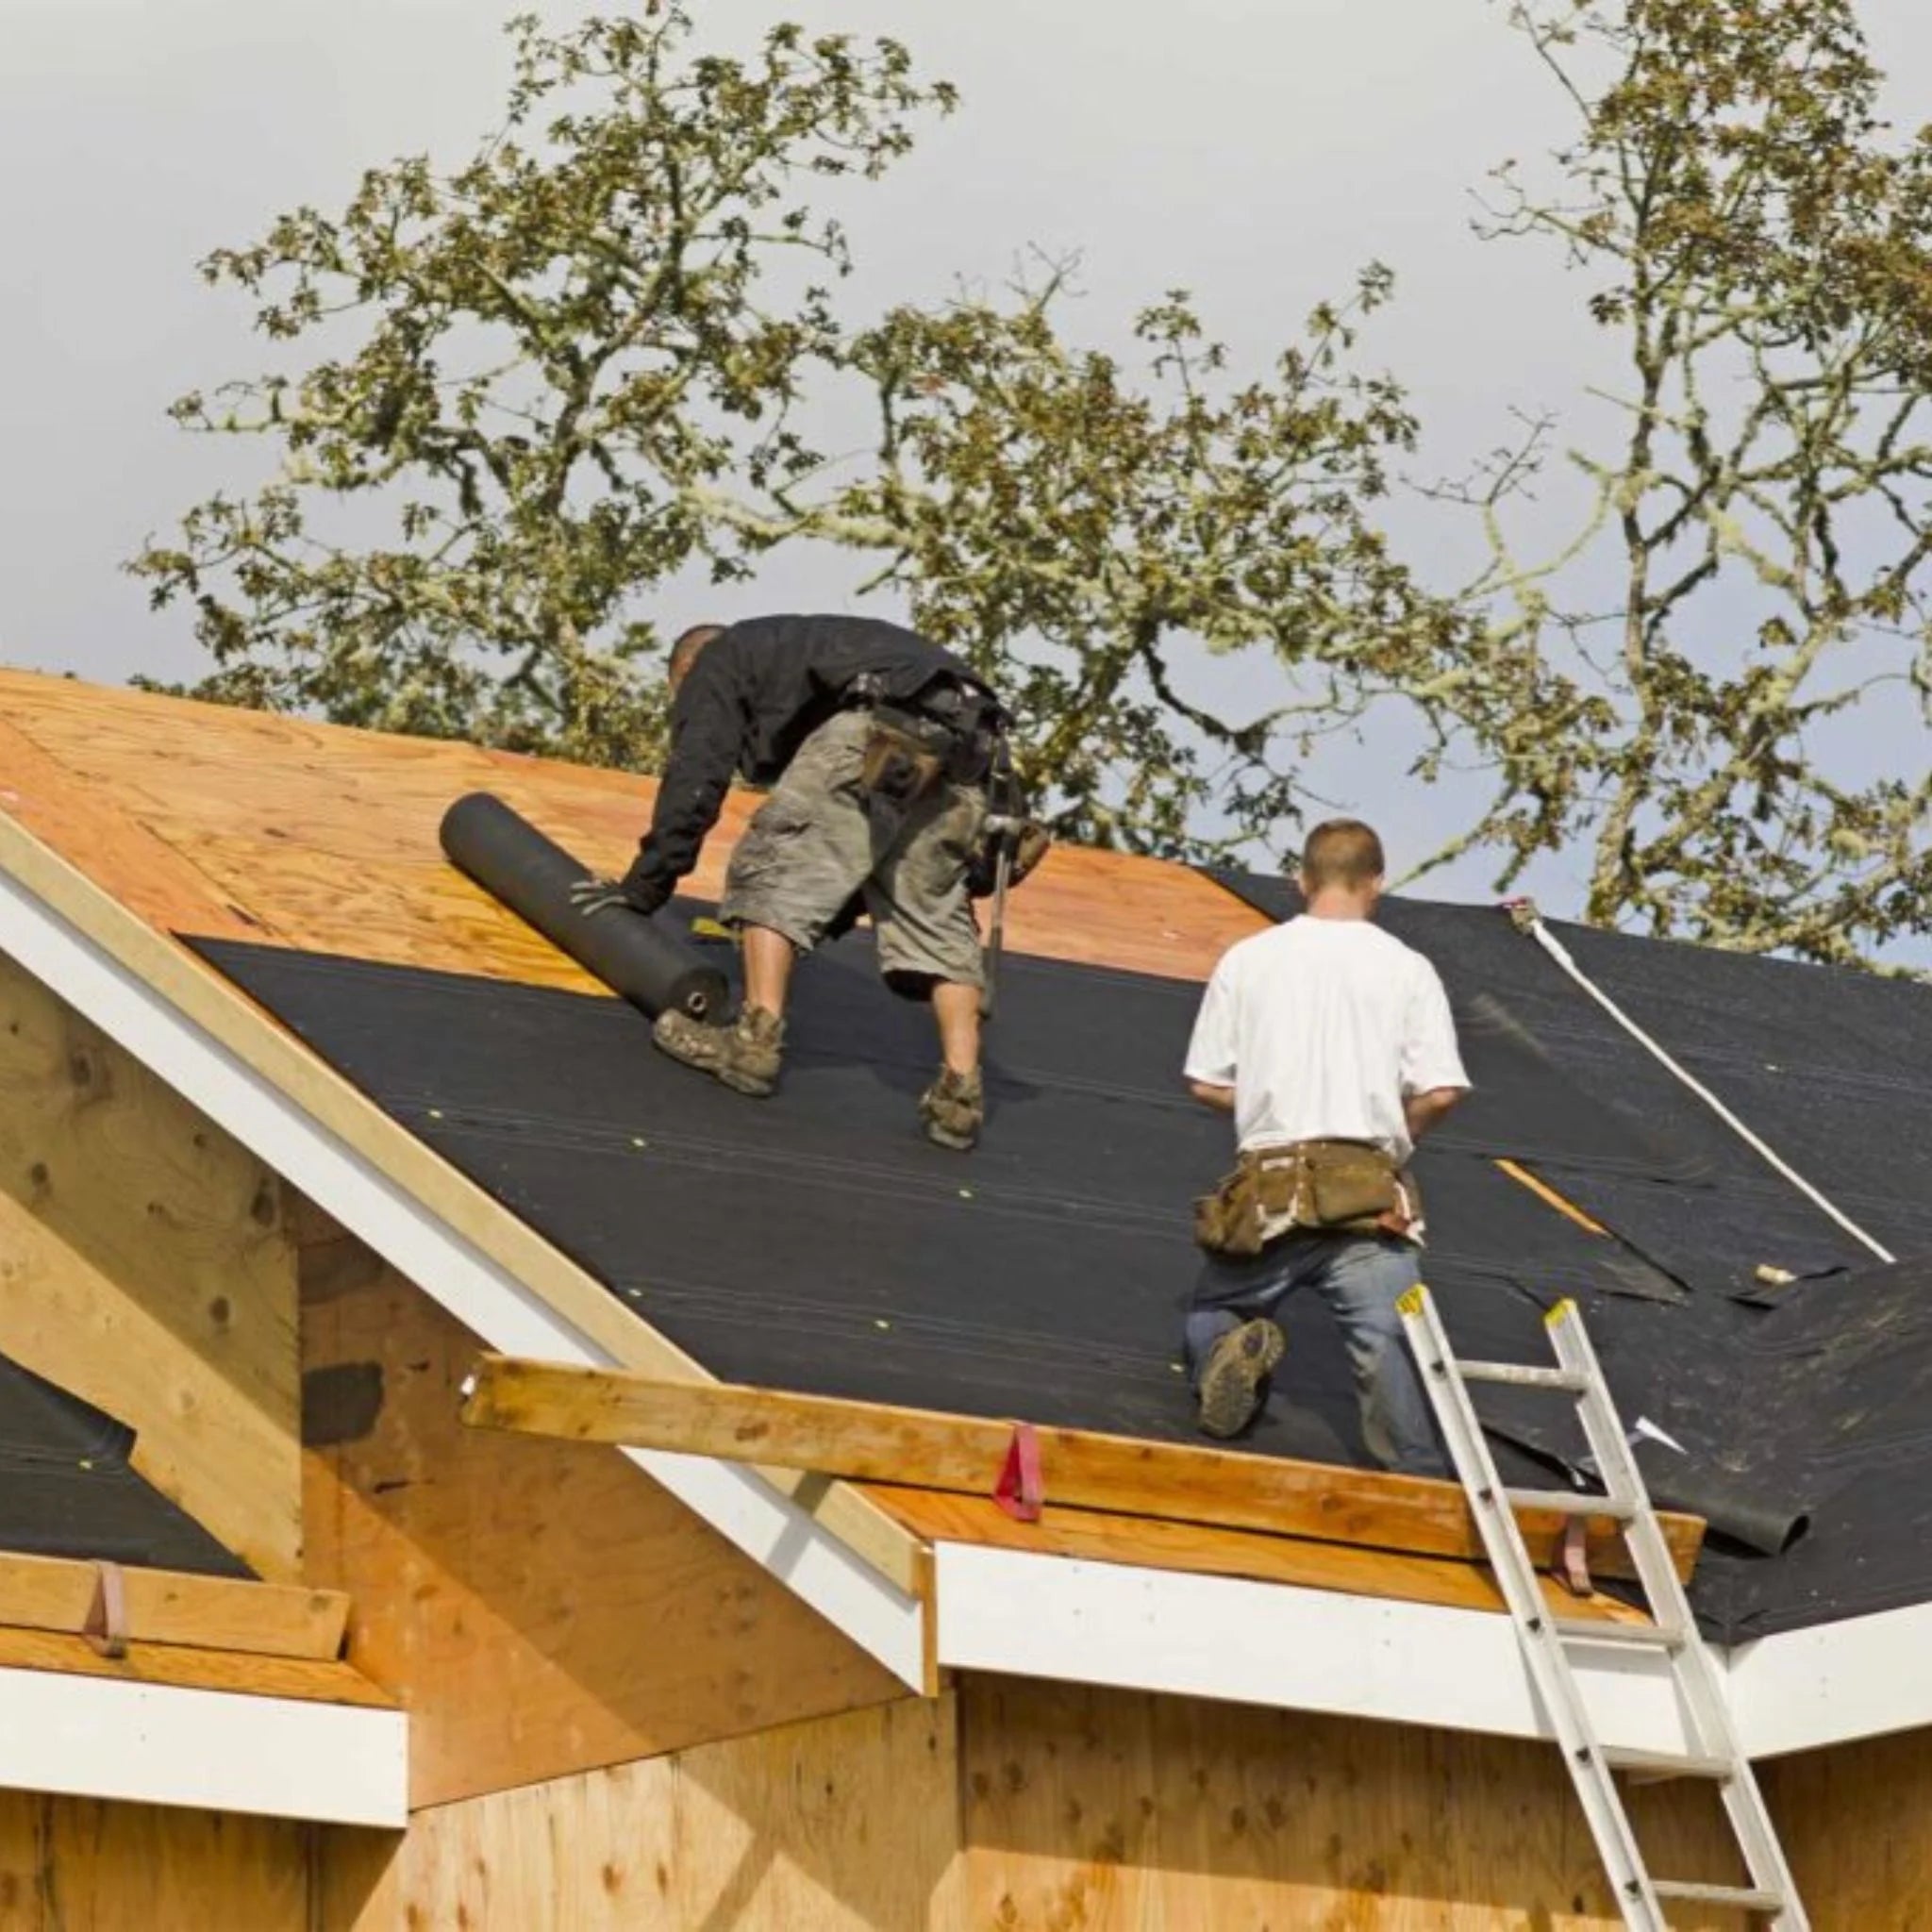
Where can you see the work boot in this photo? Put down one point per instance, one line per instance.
(954, 1110)
(745, 1056)
(1237, 1369)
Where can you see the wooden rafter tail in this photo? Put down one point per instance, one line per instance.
(926, 1449)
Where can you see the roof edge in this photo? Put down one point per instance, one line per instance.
(217, 1750)
(1287, 1647)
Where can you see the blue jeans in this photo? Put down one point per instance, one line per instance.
(1360, 1277)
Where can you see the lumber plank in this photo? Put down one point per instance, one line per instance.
(174, 1607)
(606, 1620)
(234, 1023)
(926, 1449)
(143, 1268)
(1152, 1543)
(314, 1680)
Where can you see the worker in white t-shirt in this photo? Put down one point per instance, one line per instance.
(1331, 1045)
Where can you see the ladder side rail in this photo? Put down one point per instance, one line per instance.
(1694, 1670)
(1542, 1646)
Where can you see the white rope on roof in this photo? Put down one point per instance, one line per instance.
(1529, 920)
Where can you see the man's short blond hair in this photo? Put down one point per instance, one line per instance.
(1342, 852)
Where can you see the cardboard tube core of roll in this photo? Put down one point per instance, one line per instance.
(531, 874)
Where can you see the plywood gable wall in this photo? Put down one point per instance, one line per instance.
(1117, 1811)
(841, 1825)
(540, 1607)
(143, 1266)
(85, 1865)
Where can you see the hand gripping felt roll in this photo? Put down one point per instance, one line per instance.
(532, 875)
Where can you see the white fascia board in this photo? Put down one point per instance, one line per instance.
(215, 1750)
(1274, 1644)
(486, 1297)
(1861, 1677)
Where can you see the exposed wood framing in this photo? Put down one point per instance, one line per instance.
(143, 1266)
(923, 1448)
(847, 1824)
(538, 1609)
(53, 1593)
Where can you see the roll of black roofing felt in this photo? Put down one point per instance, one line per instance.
(1753, 1522)
(531, 874)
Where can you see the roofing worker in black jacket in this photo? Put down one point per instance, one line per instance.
(877, 743)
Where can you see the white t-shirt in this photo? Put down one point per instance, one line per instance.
(1323, 1027)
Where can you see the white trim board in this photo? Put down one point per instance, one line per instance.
(1270, 1643)
(217, 1750)
(1279, 1645)
(1862, 1677)
(479, 1292)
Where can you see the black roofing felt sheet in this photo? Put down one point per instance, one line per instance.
(66, 1489)
(816, 1241)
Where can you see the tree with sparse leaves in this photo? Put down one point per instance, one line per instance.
(1757, 240)
(578, 366)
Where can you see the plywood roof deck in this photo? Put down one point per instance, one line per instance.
(247, 826)
(213, 822)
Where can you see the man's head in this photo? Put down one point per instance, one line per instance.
(684, 652)
(1342, 869)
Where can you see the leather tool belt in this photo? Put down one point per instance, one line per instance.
(947, 732)
(1320, 1187)
(906, 756)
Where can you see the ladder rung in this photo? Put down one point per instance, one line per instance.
(1571, 1503)
(1638, 1636)
(1668, 1764)
(1752, 1898)
(1525, 1378)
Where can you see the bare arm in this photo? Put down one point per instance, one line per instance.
(1220, 1098)
(1425, 1110)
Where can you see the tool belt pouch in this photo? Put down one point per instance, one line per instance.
(1349, 1186)
(1228, 1221)
(1323, 1187)
(901, 764)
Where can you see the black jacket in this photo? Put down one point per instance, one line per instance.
(749, 701)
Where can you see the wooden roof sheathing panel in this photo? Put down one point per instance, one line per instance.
(242, 824)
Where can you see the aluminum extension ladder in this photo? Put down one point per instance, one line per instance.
(1546, 1639)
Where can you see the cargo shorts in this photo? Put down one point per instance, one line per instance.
(818, 839)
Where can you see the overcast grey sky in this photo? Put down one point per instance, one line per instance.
(1253, 151)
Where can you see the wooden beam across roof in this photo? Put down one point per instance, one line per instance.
(926, 1449)
(54, 1593)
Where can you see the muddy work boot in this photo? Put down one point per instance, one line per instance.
(954, 1110)
(1235, 1375)
(746, 1055)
